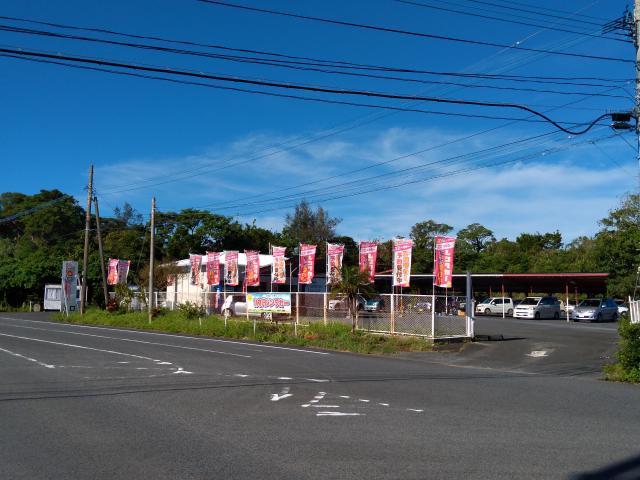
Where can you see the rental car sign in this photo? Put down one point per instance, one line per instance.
(269, 302)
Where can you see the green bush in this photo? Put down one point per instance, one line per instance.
(629, 350)
(191, 311)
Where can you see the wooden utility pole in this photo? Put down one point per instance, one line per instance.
(87, 224)
(153, 234)
(104, 276)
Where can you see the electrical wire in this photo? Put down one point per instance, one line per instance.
(408, 32)
(309, 64)
(422, 180)
(291, 86)
(516, 22)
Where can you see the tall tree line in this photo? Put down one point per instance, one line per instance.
(38, 231)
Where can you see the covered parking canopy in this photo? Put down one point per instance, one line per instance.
(528, 283)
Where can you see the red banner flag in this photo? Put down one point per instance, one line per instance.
(195, 261)
(402, 262)
(231, 276)
(252, 270)
(112, 276)
(307, 263)
(123, 271)
(278, 268)
(443, 261)
(335, 253)
(213, 268)
(368, 256)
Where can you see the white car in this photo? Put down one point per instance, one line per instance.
(622, 307)
(495, 306)
(340, 303)
(537, 308)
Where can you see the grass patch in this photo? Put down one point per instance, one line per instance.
(333, 336)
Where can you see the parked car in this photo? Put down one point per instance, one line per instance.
(623, 309)
(495, 306)
(236, 305)
(340, 303)
(375, 304)
(568, 307)
(538, 307)
(596, 309)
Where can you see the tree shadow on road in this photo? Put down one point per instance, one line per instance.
(628, 469)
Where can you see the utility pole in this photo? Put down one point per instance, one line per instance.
(104, 276)
(636, 42)
(87, 224)
(153, 234)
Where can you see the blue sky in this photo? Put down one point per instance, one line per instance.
(255, 156)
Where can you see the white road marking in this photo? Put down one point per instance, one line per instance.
(384, 404)
(538, 353)
(46, 365)
(418, 410)
(285, 378)
(337, 414)
(345, 396)
(313, 401)
(275, 397)
(316, 380)
(325, 406)
(139, 341)
(305, 405)
(181, 370)
(162, 363)
(241, 375)
(78, 346)
(123, 362)
(140, 332)
(363, 400)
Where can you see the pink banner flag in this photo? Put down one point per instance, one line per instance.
(213, 268)
(443, 261)
(368, 256)
(252, 270)
(278, 269)
(231, 276)
(123, 271)
(402, 262)
(335, 254)
(307, 264)
(112, 276)
(195, 261)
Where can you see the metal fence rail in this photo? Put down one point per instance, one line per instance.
(634, 310)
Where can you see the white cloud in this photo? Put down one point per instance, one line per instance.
(569, 191)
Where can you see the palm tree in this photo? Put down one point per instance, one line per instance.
(353, 283)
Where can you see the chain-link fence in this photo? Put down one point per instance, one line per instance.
(432, 316)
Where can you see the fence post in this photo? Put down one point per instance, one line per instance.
(468, 309)
(324, 307)
(297, 313)
(393, 313)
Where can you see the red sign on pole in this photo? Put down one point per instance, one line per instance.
(231, 276)
(278, 271)
(368, 256)
(307, 264)
(402, 262)
(443, 261)
(335, 253)
(195, 261)
(252, 270)
(213, 268)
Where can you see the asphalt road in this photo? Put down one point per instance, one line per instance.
(84, 402)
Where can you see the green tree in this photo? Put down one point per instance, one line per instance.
(306, 225)
(353, 283)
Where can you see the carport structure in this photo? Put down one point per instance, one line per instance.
(570, 284)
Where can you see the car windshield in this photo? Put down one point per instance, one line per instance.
(619, 302)
(486, 300)
(590, 303)
(529, 301)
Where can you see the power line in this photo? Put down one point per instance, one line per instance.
(320, 64)
(539, 11)
(410, 33)
(443, 175)
(516, 22)
(291, 86)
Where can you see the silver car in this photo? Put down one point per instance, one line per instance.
(596, 310)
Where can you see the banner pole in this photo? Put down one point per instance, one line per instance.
(433, 294)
